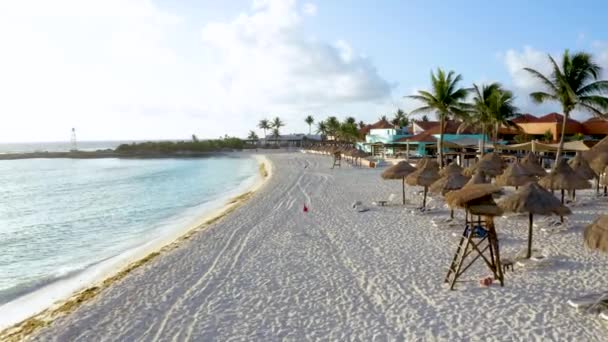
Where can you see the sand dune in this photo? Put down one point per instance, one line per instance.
(270, 272)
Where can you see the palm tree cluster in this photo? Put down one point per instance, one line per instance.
(573, 84)
(347, 130)
(274, 125)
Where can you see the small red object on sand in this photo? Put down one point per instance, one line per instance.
(305, 208)
(485, 281)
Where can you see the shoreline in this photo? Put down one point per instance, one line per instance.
(131, 260)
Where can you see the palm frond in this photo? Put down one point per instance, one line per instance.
(542, 78)
(540, 97)
(594, 88)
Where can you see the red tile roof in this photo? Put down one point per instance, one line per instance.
(426, 125)
(555, 118)
(420, 137)
(525, 118)
(451, 127)
(382, 124)
(595, 126)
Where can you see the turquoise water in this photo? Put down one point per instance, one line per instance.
(61, 216)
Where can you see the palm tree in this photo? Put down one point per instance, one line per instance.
(277, 123)
(425, 118)
(574, 86)
(252, 136)
(309, 121)
(276, 134)
(383, 118)
(446, 99)
(333, 125)
(264, 124)
(502, 111)
(400, 119)
(361, 124)
(321, 128)
(348, 130)
(479, 111)
(492, 108)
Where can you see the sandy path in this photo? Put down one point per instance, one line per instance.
(271, 272)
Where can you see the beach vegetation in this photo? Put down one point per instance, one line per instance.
(574, 85)
(264, 125)
(176, 147)
(400, 119)
(446, 99)
(491, 108)
(309, 121)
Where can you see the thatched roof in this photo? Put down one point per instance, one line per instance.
(581, 166)
(398, 171)
(532, 198)
(604, 177)
(425, 175)
(596, 234)
(530, 162)
(599, 162)
(599, 148)
(491, 164)
(451, 168)
(460, 198)
(486, 207)
(432, 163)
(450, 182)
(515, 175)
(478, 178)
(563, 177)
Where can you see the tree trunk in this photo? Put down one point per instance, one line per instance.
(561, 139)
(483, 140)
(424, 198)
(530, 225)
(403, 189)
(440, 141)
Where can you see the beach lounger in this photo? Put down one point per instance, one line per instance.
(586, 301)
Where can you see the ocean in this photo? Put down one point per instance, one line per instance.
(62, 217)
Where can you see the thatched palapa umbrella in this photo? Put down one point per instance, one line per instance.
(562, 177)
(470, 193)
(534, 200)
(599, 164)
(580, 165)
(491, 164)
(424, 176)
(399, 171)
(478, 178)
(451, 168)
(596, 234)
(449, 182)
(515, 175)
(530, 162)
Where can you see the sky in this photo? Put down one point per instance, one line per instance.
(167, 69)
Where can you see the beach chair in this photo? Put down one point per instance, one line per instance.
(591, 303)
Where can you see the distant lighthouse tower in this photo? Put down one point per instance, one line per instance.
(73, 143)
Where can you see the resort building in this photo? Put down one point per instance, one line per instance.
(380, 137)
(551, 124)
(289, 140)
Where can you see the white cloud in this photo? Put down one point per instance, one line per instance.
(310, 8)
(516, 61)
(524, 83)
(124, 69)
(266, 59)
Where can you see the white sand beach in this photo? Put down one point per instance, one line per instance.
(269, 271)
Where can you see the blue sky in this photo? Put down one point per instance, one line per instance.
(146, 69)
